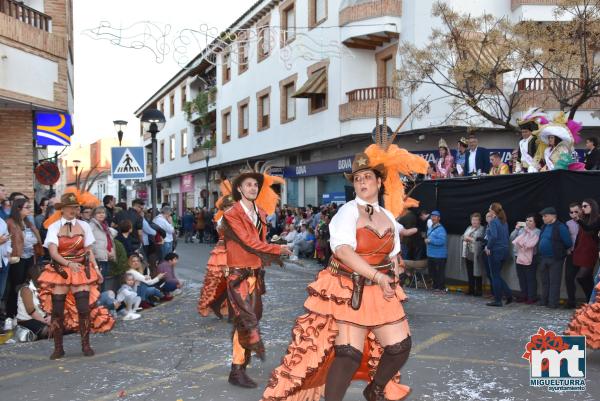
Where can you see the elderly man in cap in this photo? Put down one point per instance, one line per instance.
(554, 242)
(245, 231)
(437, 251)
(165, 221)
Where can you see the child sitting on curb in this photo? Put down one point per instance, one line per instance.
(129, 296)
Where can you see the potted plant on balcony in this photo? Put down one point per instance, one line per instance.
(200, 105)
(209, 143)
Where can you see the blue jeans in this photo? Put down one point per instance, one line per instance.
(3, 278)
(104, 268)
(145, 292)
(168, 286)
(488, 272)
(165, 248)
(499, 286)
(107, 299)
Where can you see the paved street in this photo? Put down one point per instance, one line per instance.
(462, 350)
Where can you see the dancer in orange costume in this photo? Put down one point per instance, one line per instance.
(213, 295)
(245, 231)
(586, 322)
(70, 279)
(355, 327)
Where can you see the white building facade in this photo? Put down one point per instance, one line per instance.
(36, 74)
(297, 86)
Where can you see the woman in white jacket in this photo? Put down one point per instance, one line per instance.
(104, 246)
(143, 283)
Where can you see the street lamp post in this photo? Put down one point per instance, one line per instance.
(207, 191)
(119, 126)
(76, 164)
(153, 121)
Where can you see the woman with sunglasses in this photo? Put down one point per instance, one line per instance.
(585, 252)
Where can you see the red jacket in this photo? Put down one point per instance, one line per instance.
(244, 247)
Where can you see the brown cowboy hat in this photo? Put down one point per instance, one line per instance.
(362, 162)
(237, 181)
(68, 199)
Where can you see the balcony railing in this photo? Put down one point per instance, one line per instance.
(549, 84)
(362, 103)
(539, 92)
(26, 14)
(518, 3)
(366, 9)
(379, 92)
(200, 154)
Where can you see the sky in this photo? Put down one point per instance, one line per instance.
(112, 82)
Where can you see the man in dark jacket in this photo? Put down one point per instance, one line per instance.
(478, 158)
(133, 214)
(592, 154)
(109, 204)
(555, 239)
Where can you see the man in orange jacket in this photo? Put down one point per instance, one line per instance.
(247, 253)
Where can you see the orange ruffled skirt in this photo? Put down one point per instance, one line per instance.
(50, 277)
(303, 371)
(330, 295)
(586, 322)
(214, 281)
(100, 318)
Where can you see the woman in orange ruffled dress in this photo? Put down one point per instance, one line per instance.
(213, 295)
(356, 327)
(68, 283)
(586, 322)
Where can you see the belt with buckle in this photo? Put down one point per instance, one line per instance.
(336, 267)
(242, 271)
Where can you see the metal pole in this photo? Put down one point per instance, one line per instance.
(120, 134)
(154, 163)
(207, 191)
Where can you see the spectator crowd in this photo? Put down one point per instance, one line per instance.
(541, 246)
(135, 254)
(471, 159)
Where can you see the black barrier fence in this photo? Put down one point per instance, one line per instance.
(519, 194)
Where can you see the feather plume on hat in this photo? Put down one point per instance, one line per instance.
(396, 162)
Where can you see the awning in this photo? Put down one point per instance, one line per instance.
(316, 84)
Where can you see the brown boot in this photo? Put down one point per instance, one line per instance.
(56, 331)
(374, 392)
(57, 325)
(84, 332)
(82, 302)
(238, 377)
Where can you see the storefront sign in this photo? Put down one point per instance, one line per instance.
(334, 197)
(332, 166)
(186, 183)
(276, 171)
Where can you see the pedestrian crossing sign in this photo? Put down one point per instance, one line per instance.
(128, 162)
